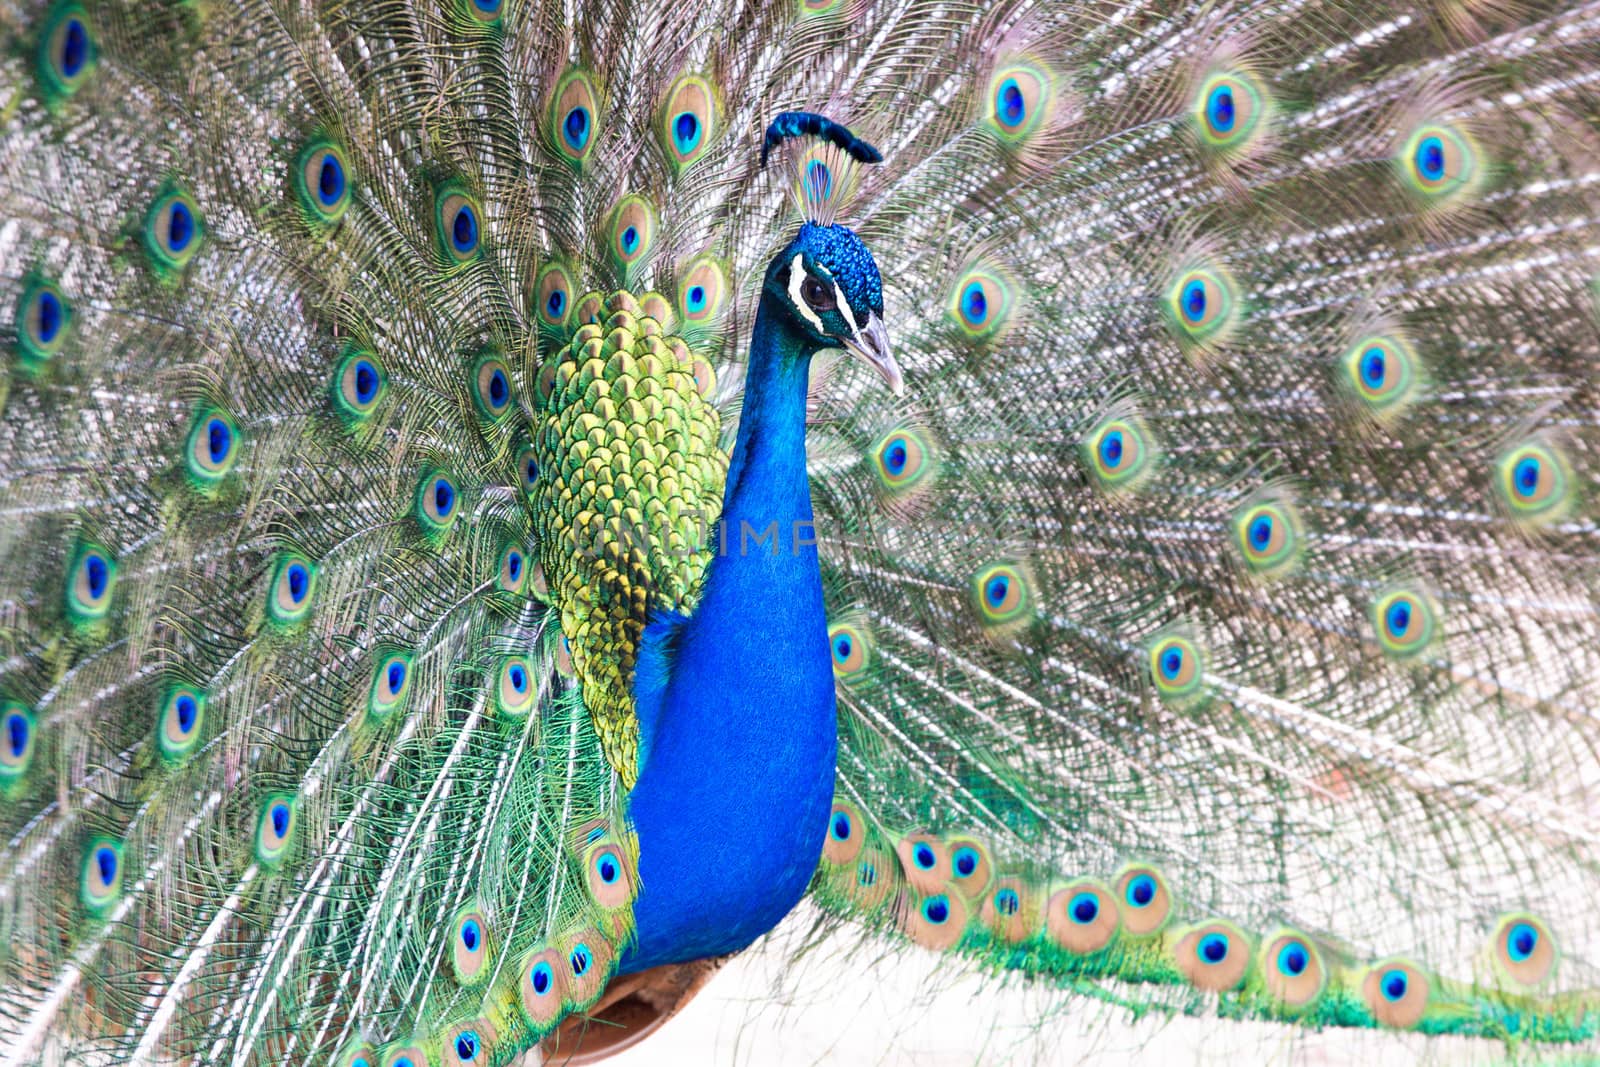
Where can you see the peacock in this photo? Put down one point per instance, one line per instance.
(502, 500)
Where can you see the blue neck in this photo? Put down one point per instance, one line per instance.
(732, 801)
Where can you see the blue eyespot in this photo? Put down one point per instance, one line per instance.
(17, 734)
(1220, 110)
(608, 869)
(50, 316)
(467, 1041)
(187, 709)
(819, 181)
(403, 1061)
(974, 303)
(470, 935)
(514, 567)
(1521, 942)
(1214, 948)
(499, 388)
(219, 440)
(840, 828)
(74, 48)
(923, 856)
(1393, 985)
(1010, 105)
(1111, 448)
(464, 230)
(1006, 901)
(1293, 959)
(96, 574)
(1525, 476)
(555, 303)
(685, 132)
(966, 862)
(519, 678)
(1084, 908)
(1261, 532)
(366, 382)
(1430, 159)
(1141, 891)
(696, 301)
(280, 819)
(866, 875)
(1171, 663)
(1398, 617)
(630, 239)
(894, 458)
(540, 977)
(299, 580)
(488, 7)
(180, 226)
(842, 647)
(996, 589)
(444, 497)
(576, 128)
(1194, 301)
(1374, 368)
(936, 909)
(581, 960)
(105, 860)
(330, 180)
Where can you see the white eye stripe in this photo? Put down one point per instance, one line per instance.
(797, 278)
(849, 315)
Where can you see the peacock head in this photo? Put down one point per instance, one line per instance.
(827, 283)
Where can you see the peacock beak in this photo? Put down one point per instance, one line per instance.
(872, 344)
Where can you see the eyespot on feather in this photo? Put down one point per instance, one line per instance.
(437, 503)
(971, 867)
(1011, 909)
(91, 579)
(512, 575)
(924, 861)
(275, 824)
(18, 740)
(1143, 899)
(68, 51)
(1405, 621)
(488, 13)
(850, 647)
(1534, 483)
(1268, 537)
(173, 231)
(1177, 667)
(179, 718)
(491, 385)
(1201, 304)
(1382, 373)
(935, 921)
(574, 117)
(212, 448)
(542, 990)
(905, 463)
(689, 122)
(1396, 991)
(293, 588)
(1018, 100)
(1120, 453)
(1439, 165)
(322, 182)
(1002, 596)
(553, 298)
(869, 881)
(468, 1044)
(458, 222)
(359, 384)
(1523, 951)
(847, 833)
(43, 323)
(391, 685)
(515, 690)
(1292, 969)
(587, 958)
(1228, 111)
(1213, 956)
(1082, 916)
(633, 232)
(981, 301)
(358, 1054)
(470, 952)
(410, 1054)
(610, 874)
(702, 291)
(100, 876)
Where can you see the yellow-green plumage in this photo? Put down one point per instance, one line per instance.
(625, 523)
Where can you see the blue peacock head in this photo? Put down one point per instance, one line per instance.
(826, 281)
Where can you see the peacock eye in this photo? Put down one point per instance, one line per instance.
(817, 295)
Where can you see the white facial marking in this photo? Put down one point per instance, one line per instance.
(797, 277)
(849, 314)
